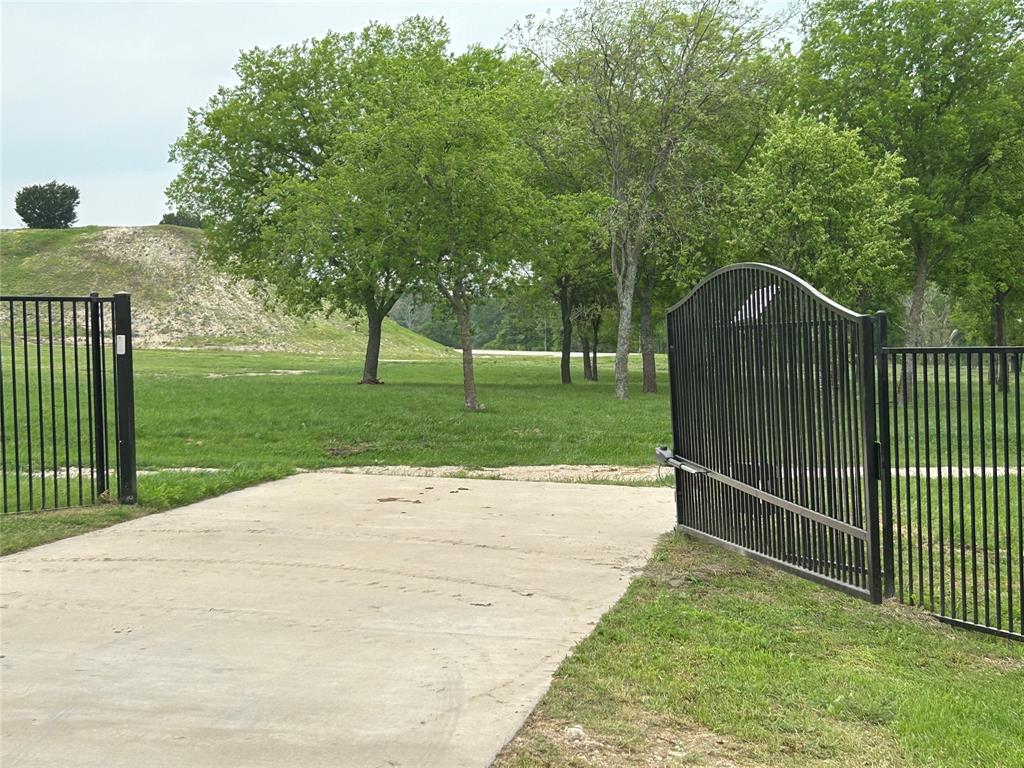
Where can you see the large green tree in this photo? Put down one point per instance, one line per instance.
(928, 80)
(290, 170)
(468, 155)
(571, 226)
(639, 80)
(993, 244)
(813, 201)
(990, 293)
(569, 257)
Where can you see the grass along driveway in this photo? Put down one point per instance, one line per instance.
(713, 659)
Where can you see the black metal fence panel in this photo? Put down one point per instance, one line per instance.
(773, 403)
(801, 438)
(956, 485)
(67, 421)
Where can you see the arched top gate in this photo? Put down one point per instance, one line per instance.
(773, 409)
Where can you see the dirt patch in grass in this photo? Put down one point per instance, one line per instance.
(556, 742)
(674, 570)
(565, 473)
(259, 373)
(338, 450)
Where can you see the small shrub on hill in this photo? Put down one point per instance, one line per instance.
(47, 206)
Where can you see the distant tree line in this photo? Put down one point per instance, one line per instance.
(182, 219)
(615, 154)
(516, 320)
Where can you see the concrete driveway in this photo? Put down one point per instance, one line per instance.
(323, 620)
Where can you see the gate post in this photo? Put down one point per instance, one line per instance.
(884, 448)
(99, 400)
(866, 367)
(127, 486)
(673, 393)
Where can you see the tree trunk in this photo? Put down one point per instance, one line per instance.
(647, 332)
(593, 348)
(375, 320)
(466, 339)
(999, 319)
(585, 346)
(915, 322)
(625, 287)
(915, 315)
(565, 305)
(1001, 369)
(622, 340)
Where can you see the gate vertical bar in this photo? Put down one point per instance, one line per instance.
(866, 367)
(99, 417)
(124, 387)
(884, 447)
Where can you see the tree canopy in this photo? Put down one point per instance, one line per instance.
(640, 83)
(929, 80)
(470, 161)
(47, 206)
(812, 201)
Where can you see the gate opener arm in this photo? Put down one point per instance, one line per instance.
(665, 456)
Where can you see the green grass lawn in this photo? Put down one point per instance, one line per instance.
(238, 413)
(208, 410)
(959, 547)
(713, 659)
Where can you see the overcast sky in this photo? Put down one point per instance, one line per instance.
(94, 93)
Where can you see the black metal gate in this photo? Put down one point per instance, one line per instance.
(774, 417)
(773, 409)
(67, 401)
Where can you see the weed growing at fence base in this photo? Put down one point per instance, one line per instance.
(711, 658)
(260, 416)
